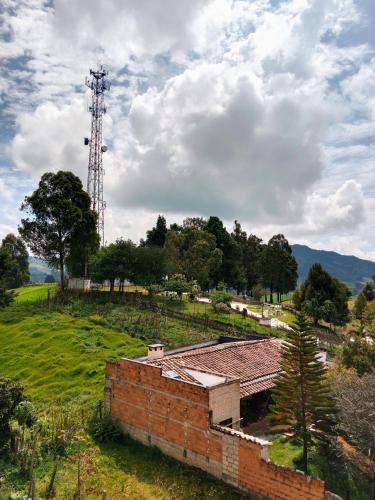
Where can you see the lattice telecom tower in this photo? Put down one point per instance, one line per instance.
(98, 84)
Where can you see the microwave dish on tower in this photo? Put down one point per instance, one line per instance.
(98, 83)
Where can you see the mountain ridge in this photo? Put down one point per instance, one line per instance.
(351, 270)
(39, 270)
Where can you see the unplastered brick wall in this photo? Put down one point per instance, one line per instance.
(177, 417)
(163, 412)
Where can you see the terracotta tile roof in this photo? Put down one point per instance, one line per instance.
(255, 386)
(254, 362)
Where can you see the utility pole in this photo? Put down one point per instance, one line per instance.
(98, 83)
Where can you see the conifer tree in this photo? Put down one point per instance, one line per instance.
(303, 405)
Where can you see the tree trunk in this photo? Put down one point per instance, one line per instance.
(51, 485)
(112, 285)
(304, 452)
(271, 294)
(62, 284)
(303, 418)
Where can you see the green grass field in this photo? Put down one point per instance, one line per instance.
(199, 309)
(33, 293)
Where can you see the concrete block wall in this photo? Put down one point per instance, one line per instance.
(176, 416)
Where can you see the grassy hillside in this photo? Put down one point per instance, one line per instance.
(33, 293)
(59, 357)
(347, 268)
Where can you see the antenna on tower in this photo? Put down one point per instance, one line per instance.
(98, 83)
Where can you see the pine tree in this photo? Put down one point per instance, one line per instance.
(303, 405)
(156, 235)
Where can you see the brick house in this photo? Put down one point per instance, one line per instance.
(191, 402)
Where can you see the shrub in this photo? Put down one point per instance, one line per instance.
(11, 394)
(104, 430)
(220, 296)
(25, 413)
(222, 308)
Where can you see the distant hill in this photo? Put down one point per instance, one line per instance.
(39, 269)
(347, 268)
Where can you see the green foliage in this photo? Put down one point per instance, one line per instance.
(154, 289)
(11, 394)
(251, 248)
(359, 354)
(142, 265)
(329, 312)
(177, 284)
(156, 236)
(49, 278)
(360, 306)
(368, 291)
(258, 292)
(222, 308)
(17, 273)
(116, 260)
(340, 477)
(369, 318)
(104, 429)
(302, 400)
(277, 266)
(297, 299)
(150, 266)
(59, 220)
(192, 252)
(230, 270)
(25, 413)
(319, 288)
(220, 301)
(6, 297)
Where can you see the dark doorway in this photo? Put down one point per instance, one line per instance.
(255, 408)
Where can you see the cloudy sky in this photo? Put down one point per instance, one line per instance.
(257, 110)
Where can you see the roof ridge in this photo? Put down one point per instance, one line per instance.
(217, 347)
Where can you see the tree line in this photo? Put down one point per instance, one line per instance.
(60, 227)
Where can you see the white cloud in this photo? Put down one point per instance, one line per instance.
(51, 139)
(343, 209)
(239, 108)
(231, 149)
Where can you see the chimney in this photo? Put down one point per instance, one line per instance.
(155, 351)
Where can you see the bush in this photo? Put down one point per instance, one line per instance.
(357, 353)
(25, 413)
(222, 308)
(11, 394)
(220, 296)
(104, 430)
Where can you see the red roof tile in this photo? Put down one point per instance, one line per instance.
(248, 361)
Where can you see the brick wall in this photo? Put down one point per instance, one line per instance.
(176, 416)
